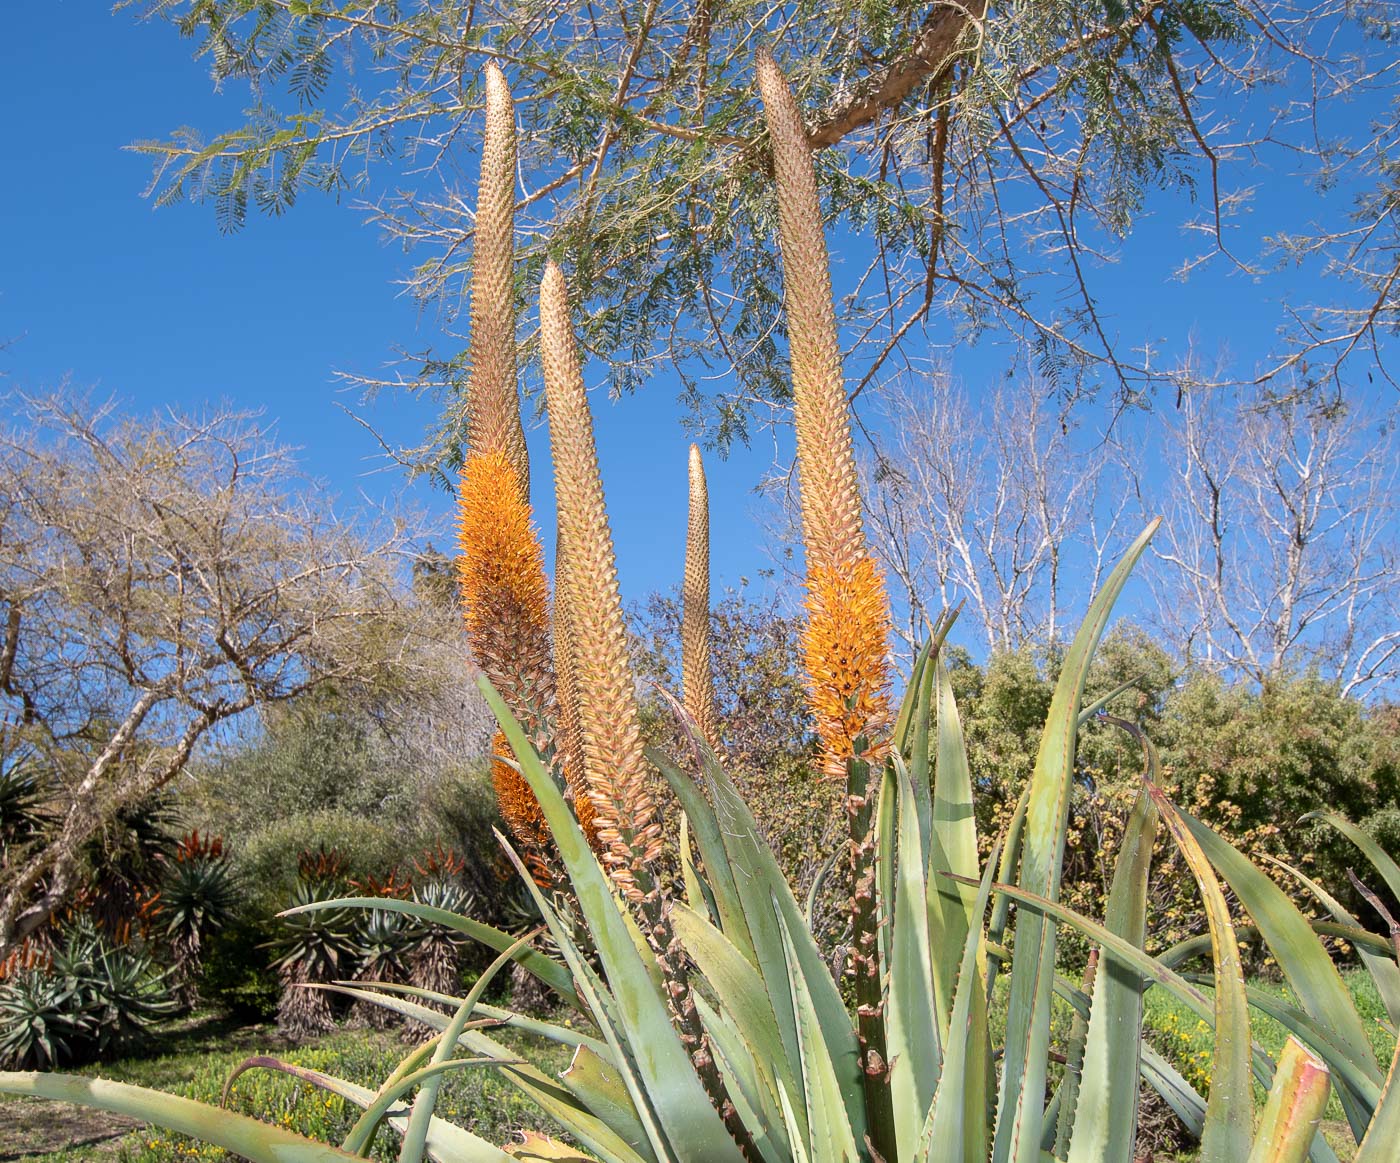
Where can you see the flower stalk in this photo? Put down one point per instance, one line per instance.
(616, 769)
(848, 621)
(697, 680)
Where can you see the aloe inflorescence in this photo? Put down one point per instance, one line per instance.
(848, 616)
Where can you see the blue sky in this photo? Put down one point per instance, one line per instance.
(155, 306)
(99, 288)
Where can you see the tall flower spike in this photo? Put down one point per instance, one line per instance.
(505, 593)
(627, 828)
(615, 766)
(505, 600)
(697, 680)
(849, 620)
(570, 740)
(493, 403)
(848, 614)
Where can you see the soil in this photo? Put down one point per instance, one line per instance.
(31, 1127)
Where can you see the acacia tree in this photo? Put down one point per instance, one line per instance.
(976, 163)
(157, 580)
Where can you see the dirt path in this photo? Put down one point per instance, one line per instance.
(32, 1127)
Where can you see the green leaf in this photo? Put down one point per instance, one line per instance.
(1021, 1102)
(913, 1037)
(1300, 955)
(957, 1126)
(952, 848)
(744, 998)
(1385, 973)
(1105, 1116)
(692, 1127)
(600, 1087)
(833, 1140)
(1230, 1108)
(753, 864)
(1384, 1132)
(1387, 867)
(713, 852)
(222, 1128)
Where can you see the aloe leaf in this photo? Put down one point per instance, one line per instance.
(600, 1087)
(952, 848)
(1230, 1108)
(713, 852)
(557, 1101)
(956, 1128)
(751, 1083)
(1178, 1094)
(693, 1128)
(1001, 907)
(833, 1140)
(697, 893)
(604, 1007)
(912, 736)
(912, 1033)
(1384, 1132)
(550, 1095)
(1105, 1116)
(550, 1031)
(1300, 955)
(743, 995)
(809, 909)
(799, 1148)
(553, 1099)
(886, 810)
(753, 862)
(549, 971)
(1354, 1085)
(1385, 973)
(1389, 870)
(445, 1141)
(221, 1128)
(1294, 1107)
(1184, 951)
(1021, 1102)
(381, 1103)
(416, 1134)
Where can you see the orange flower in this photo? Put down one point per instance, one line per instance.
(848, 624)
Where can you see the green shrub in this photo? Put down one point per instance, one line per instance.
(266, 861)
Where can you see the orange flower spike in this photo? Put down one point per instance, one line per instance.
(697, 681)
(505, 596)
(521, 811)
(615, 767)
(847, 635)
(493, 403)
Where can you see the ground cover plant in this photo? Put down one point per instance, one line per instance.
(705, 1021)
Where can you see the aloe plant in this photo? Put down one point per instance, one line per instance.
(785, 1040)
(706, 1022)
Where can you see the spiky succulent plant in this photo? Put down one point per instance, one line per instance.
(198, 898)
(313, 947)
